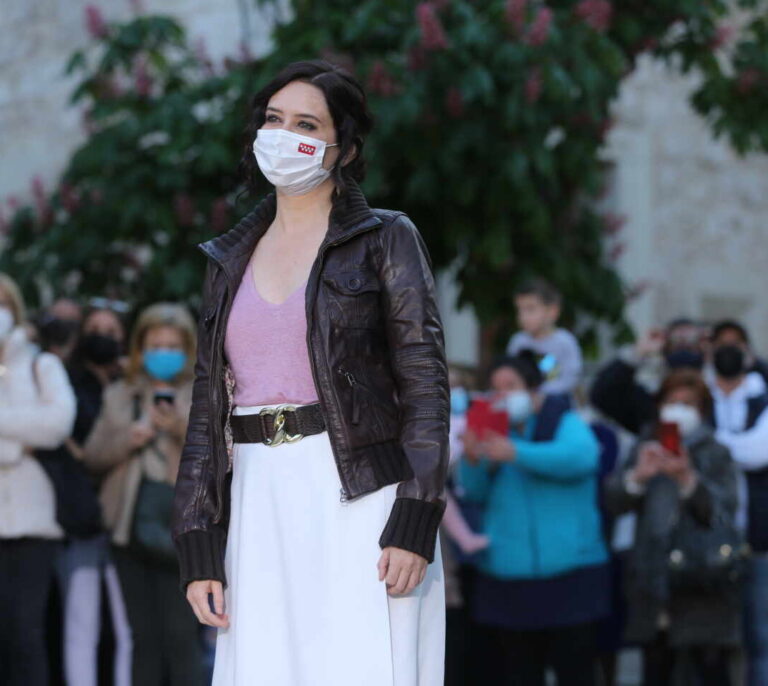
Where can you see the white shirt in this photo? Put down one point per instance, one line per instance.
(36, 411)
(749, 449)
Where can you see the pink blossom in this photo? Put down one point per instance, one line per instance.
(454, 102)
(595, 13)
(13, 203)
(219, 215)
(94, 22)
(516, 12)
(533, 86)
(747, 80)
(723, 35)
(539, 31)
(184, 207)
(380, 80)
(68, 197)
(432, 33)
(617, 251)
(142, 80)
(613, 223)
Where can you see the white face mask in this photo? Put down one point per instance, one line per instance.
(291, 162)
(519, 406)
(687, 418)
(6, 322)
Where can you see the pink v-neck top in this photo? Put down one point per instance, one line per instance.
(266, 345)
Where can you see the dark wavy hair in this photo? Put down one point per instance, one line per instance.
(348, 107)
(524, 363)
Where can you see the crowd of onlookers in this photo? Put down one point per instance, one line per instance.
(630, 512)
(582, 518)
(92, 423)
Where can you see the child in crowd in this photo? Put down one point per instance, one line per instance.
(538, 310)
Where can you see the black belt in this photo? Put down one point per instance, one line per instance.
(279, 424)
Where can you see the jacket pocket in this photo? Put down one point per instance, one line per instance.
(372, 419)
(353, 298)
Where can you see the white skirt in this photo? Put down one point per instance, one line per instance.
(305, 604)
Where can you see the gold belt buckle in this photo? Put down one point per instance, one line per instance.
(281, 436)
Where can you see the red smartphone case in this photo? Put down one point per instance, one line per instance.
(482, 418)
(669, 437)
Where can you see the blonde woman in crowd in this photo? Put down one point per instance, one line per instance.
(137, 440)
(37, 409)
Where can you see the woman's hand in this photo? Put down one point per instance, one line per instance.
(678, 468)
(165, 418)
(472, 446)
(498, 448)
(197, 597)
(649, 458)
(402, 570)
(140, 434)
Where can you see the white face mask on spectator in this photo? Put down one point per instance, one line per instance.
(687, 418)
(6, 322)
(519, 406)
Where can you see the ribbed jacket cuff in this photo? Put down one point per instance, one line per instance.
(413, 526)
(201, 556)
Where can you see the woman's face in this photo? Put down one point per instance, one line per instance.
(163, 337)
(506, 380)
(301, 108)
(104, 323)
(682, 396)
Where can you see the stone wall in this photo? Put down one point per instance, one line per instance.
(697, 229)
(39, 129)
(697, 214)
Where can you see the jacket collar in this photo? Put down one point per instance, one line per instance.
(348, 212)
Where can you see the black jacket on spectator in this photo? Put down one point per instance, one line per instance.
(695, 618)
(618, 396)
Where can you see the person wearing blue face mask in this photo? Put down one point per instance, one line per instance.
(137, 443)
(543, 581)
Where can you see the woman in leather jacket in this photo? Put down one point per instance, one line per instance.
(311, 484)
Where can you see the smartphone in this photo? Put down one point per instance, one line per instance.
(669, 437)
(482, 417)
(164, 396)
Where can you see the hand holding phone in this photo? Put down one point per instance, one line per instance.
(483, 418)
(165, 395)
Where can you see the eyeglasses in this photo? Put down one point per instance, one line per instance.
(119, 306)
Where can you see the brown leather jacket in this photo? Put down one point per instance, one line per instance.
(376, 350)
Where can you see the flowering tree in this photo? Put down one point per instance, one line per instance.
(490, 117)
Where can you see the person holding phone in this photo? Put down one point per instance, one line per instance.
(681, 483)
(137, 442)
(543, 581)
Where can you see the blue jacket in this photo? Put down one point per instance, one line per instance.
(540, 511)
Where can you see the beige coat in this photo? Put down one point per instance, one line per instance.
(108, 450)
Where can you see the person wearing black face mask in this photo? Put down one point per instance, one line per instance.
(741, 418)
(100, 349)
(624, 389)
(85, 563)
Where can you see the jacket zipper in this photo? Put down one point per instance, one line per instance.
(355, 399)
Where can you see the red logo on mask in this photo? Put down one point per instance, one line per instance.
(307, 149)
